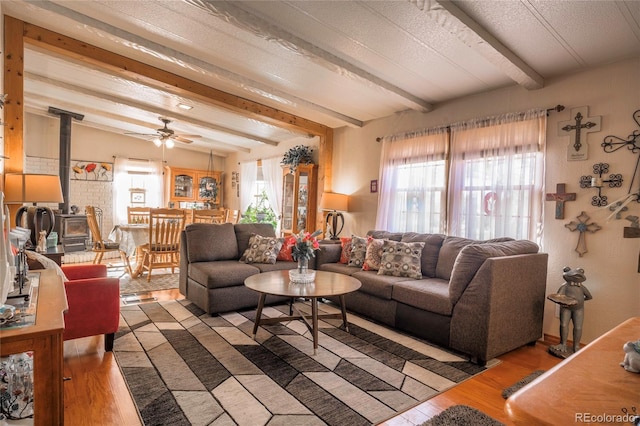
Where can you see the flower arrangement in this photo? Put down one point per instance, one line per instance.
(304, 244)
(299, 154)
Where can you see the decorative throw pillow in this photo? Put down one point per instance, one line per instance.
(401, 259)
(373, 256)
(286, 251)
(261, 250)
(345, 242)
(358, 251)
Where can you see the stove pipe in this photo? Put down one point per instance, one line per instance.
(65, 153)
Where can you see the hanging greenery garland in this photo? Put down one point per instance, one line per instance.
(299, 154)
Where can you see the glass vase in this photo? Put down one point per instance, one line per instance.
(302, 274)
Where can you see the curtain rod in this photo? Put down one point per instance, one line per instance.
(556, 108)
(145, 160)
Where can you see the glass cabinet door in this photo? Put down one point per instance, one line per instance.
(208, 188)
(183, 186)
(287, 203)
(303, 201)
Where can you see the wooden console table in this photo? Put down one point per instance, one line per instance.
(586, 385)
(44, 338)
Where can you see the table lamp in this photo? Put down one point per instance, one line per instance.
(335, 204)
(23, 188)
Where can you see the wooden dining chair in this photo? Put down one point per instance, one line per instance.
(101, 246)
(163, 248)
(233, 216)
(138, 214)
(208, 216)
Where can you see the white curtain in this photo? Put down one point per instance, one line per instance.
(496, 181)
(248, 177)
(131, 173)
(272, 175)
(412, 182)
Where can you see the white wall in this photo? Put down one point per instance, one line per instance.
(611, 264)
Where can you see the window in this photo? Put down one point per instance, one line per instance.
(491, 186)
(259, 210)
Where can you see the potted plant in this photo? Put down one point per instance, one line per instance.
(299, 154)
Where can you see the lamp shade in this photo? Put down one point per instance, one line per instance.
(333, 201)
(32, 188)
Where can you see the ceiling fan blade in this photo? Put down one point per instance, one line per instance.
(141, 134)
(188, 136)
(182, 139)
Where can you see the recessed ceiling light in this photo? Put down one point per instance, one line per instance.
(185, 107)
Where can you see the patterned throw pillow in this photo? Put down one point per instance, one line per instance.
(401, 259)
(261, 250)
(358, 251)
(373, 255)
(286, 251)
(345, 242)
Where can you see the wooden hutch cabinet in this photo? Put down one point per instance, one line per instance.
(299, 199)
(195, 186)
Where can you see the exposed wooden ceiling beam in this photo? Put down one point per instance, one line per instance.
(458, 23)
(164, 80)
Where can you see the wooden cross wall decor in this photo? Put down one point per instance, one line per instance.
(582, 226)
(577, 128)
(560, 197)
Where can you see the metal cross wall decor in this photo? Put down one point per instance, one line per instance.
(578, 127)
(614, 181)
(582, 226)
(613, 143)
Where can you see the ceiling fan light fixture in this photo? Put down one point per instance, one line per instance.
(185, 106)
(157, 142)
(170, 144)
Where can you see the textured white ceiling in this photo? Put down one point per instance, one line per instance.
(339, 63)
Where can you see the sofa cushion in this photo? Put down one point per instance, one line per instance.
(430, 252)
(377, 285)
(385, 235)
(345, 254)
(451, 246)
(358, 251)
(262, 250)
(473, 256)
(373, 256)
(340, 268)
(245, 230)
(209, 242)
(223, 273)
(401, 259)
(278, 266)
(428, 294)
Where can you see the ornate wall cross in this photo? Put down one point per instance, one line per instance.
(582, 226)
(560, 197)
(614, 181)
(577, 129)
(613, 143)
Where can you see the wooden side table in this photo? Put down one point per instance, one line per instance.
(588, 384)
(44, 338)
(54, 253)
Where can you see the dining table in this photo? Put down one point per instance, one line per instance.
(131, 236)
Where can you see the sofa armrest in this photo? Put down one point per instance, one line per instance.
(76, 272)
(502, 307)
(183, 271)
(94, 307)
(328, 253)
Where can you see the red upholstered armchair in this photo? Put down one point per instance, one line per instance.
(94, 303)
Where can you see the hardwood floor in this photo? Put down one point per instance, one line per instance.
(97, 394)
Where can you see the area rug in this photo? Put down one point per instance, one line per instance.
(506, 393)
(457, 415)
(159, 281)
(183, 367)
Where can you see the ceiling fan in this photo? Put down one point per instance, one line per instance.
(165, 135)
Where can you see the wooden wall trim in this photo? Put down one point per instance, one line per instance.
(14, 88)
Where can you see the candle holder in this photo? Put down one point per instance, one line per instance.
(614, 181)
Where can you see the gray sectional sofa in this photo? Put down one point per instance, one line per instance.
(482, 299)
(211, 275)
(479, 298)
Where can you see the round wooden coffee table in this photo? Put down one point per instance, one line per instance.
(277, 283)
